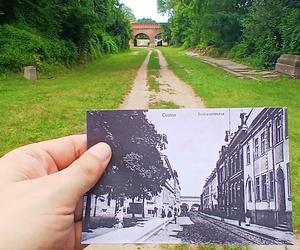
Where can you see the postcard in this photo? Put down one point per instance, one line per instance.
(191, 176)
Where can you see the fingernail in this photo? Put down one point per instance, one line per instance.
(102, 151)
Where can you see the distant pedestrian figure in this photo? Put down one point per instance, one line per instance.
(248, 218)
(222, 215)
(163, 213)
(169, 214)
(241, 217)
(175, 215)
(155, 212)
(119, 219)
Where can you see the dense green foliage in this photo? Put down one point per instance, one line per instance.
(272, 28)
(146, 20)
(42, 32)
(256, 31)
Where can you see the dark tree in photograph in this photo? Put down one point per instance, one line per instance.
(136, 169)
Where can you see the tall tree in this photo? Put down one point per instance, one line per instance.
(129, 13)
(136, 168)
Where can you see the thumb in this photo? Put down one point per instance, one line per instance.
(73, 182)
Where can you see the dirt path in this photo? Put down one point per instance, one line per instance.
(172, 89)
(139, 95)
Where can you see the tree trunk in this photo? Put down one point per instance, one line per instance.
(87, 214)
(109, 198)
(95, 208)
(117, 206)
(133, 212)
(143, 213)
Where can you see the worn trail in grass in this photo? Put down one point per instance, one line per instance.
(156, 86)
(173, 92)
(138, 98)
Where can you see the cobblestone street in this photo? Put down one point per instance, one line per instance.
(170, 232)
(199, 228)
(206, 229)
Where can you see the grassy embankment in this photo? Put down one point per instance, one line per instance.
(220, 89)
(55, 104)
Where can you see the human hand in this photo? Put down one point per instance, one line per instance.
(41, 189)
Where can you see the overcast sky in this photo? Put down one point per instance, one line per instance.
(145, 8)
(194, 142)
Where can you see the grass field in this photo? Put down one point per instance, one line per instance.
(163, 105)
(153, 72)
(55, 105)
(220, 89)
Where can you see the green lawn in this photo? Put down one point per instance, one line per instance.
(164, 105)
(55, 105)
(153, 72)
(220, 89)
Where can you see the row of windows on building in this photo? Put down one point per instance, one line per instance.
(235, 192)
(262, 185)
(235, 166)
(233, 198)
(265, 187)
(266, 140)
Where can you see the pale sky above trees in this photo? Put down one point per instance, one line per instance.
(145, 9)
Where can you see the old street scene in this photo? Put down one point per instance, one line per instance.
(229, 184)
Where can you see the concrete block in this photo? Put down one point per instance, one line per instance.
(289, 65)
(30, 73)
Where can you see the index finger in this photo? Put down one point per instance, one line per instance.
(64, 151)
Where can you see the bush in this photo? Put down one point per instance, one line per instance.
(290, 30)
(221, 29)
(97, 42)
(19, 47)
(109, 222)
(271, 29)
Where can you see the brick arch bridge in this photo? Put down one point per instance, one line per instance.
(149, 29)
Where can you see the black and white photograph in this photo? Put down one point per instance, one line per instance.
(191, 176)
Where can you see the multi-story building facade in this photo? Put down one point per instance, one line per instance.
(223, 188)
(253, 171)
(267, 169)
(209, 197)
(169, 198)
(231, 174)
(235, 172)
